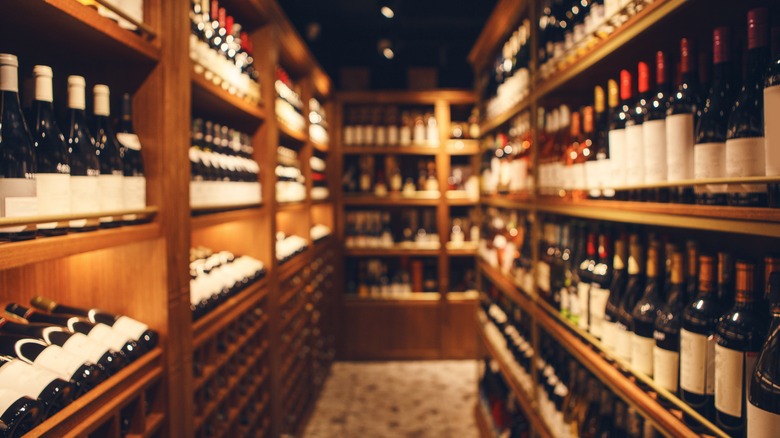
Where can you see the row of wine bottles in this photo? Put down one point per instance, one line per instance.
(377, 229)
(318, 126)
(289, 105)
(319, 177)
(510, 80)
(46, 173)
(388, 278)
(215, 277)
(506, 160)
(665, 134)
(290, 182)
(53, 353)
(383, 176)
(319, 232)
(222, 51)
(289, 246)
(382, 126)
(222, 168)
(498, 400)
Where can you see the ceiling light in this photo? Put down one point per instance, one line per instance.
(388, 53)
(387, 11)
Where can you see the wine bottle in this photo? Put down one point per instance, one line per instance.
(134, 185)
(654, 126)
(579, 303)
(17, 159)
(596, 177)
(98, 332)
(763, 407)
(111, 180)
(137, 331)
(709, 152)
(644, 314)
(606, 414)
(634, 288)
(37, 383)
(75, 343)
(739, 336)
(745, 154)
(83, 159)
(19, 414)
(84, 375)
(616, 288)
(666, 355)
(771, 109)
(618, 143)
(51, 155)
(697, 345)
(635, 145)
(601, 279)
(681, 117)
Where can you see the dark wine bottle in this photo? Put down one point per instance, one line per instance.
(745, 134)
(82, 156)
(19, 414)
(606, 414)
(51, 155)
(644, 314)
(98, 332)
(136, 330)
(617, 127)
(111, 179)
(616, 288)
(666, 355)
(635, 144)
(579, 303)
(634, 288)
(763, 407)
(601, 279)
(134, 185)
(771, 112)
(709, 152)
(75, 343)
(697, 345)
(17, 158)
(84, 375)
(654, 127)
(739, 336)
(37, 383)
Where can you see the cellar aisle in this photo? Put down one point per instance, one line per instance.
(416, 399)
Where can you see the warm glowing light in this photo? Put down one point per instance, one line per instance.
(387, 12)
(388, 53)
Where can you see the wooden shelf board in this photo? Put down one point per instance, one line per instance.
(208, 218)
(214, 321)
(483, 422)
(421, 199)
(290, 133)
(324, 201)
(422, 97)
(411, 297)
(489, 125)
(295, 264)
(145, 214)
(391, 150)
(506, 286)
(465, 249)
(462, 147)
(99, 37)
(291, 205)
(394, 251)
(16, 254)
(469, 295)
(526, 403)
(91, 410)
(211, 100)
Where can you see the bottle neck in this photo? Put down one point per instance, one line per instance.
(757, 60)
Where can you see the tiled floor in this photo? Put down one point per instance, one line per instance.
(427, 399)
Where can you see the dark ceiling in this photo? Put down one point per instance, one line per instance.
(424, 33)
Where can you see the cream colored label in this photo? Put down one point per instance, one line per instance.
(623, 342)
(666, 368)
(745, 157)
(731, 379)
(598, 306)
(130, 327)
(53, 196)
(772, 130)
(679, 146)
(58, 361)
(18, 200)
(25, 378)
(105, 335)
(8, 396)
(83, 197)
(709, 161)
(82, 346)
(635, 155)
(697, 363)
(134, 188)
(761, 423)
(642, 354)
(654, 132)
(609, 336)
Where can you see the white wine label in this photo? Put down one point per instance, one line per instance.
(105, 335)
(565, 300)
(654, 132)
(418, 137)
(111, 192)
(53, 191)
(17, 199)
(82, 346)
(642, 354)
(697, 363)
(623, 337)
(772, 130)
(709, 160)
(598, 306)
(617, 158)
(543, 276)
(392, 135)
(730, 379)
(134, 188)
(83, 197)
(129, 141)
(761, 423)
(635, 155)
(579, 308)
(58, 361)
(25, 378)
(8, 396)
(745, 157)
(666, 368)
(130, 327)
(679, 146)
(609, 336)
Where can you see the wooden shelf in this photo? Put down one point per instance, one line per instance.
(526, 403)
(469, 295)
(489, 125)
(403, 298)
(462, 147)
(91, 410)
(521, 200)
(460, 198)
(507, 286)
(319, 146)
(421, 97)
(394, 251)
(464, 249)
(324, 201)
(97, 36)
(210, 100)
(295, 264)
(208, 218)
(484, 423)
(420, 199)
(290, 206)
(290, 133)
(391, 150)
(15, 254)
(213, 322)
